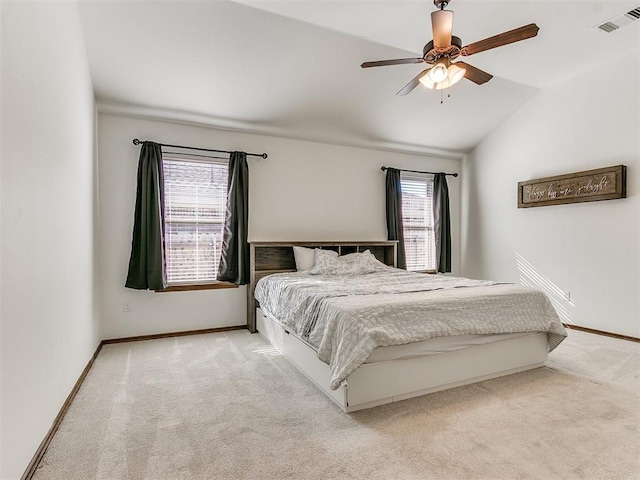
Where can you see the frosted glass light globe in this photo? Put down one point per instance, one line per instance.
(438, 73)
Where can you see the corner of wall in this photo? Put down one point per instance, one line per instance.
(97, 324)
(470, 257)
(2, 42)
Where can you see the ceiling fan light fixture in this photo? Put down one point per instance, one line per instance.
(427, 82)
(444, 84)
(430, 84)
(439, 71)
(455, 73)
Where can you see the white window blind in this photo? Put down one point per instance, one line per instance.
(195, 198)
(417, 220)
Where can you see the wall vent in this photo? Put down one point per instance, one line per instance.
(608, 27)
(635, 13)
(618, 21)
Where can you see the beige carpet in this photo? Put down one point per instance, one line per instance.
(224, 406)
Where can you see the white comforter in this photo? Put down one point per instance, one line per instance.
(346, 316)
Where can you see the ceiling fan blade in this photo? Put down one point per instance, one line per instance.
(397, 61)
(442, 26)
(505, 38)
(474, 74)
(413, 83)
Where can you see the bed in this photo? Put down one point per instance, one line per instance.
(379, 335)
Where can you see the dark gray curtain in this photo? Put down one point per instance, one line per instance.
(442, 222)
(146, 264)
(394, 213)
(234, 262)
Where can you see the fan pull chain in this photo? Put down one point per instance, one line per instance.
(442, 96)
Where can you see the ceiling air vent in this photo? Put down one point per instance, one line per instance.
(608, 27)
(620, 20)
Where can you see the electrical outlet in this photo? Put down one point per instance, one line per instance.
(126, 306)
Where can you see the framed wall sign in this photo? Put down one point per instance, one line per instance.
(589, 186)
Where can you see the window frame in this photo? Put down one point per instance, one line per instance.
(430, 229)
(200, 284)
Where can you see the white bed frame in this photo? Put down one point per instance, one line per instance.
(374, 384)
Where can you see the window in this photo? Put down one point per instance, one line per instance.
(195, 198)
(417, 221)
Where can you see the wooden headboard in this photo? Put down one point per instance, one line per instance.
(277, 257)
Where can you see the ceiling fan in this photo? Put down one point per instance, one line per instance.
(445, 47)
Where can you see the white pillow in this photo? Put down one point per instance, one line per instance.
(323, 260)
(368, 263)
(351, 264)
(326, 264)
(305, 258)
(351, 257)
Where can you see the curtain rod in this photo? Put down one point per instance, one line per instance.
(138, 142)
(418, 171)
(194, 155)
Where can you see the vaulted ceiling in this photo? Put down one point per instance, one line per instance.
(292, 68)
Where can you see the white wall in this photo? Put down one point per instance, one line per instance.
(49, 327)
(2, 36)
(587, 249)
(303, 191)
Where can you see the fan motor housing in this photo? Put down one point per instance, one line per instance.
(431, 54)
